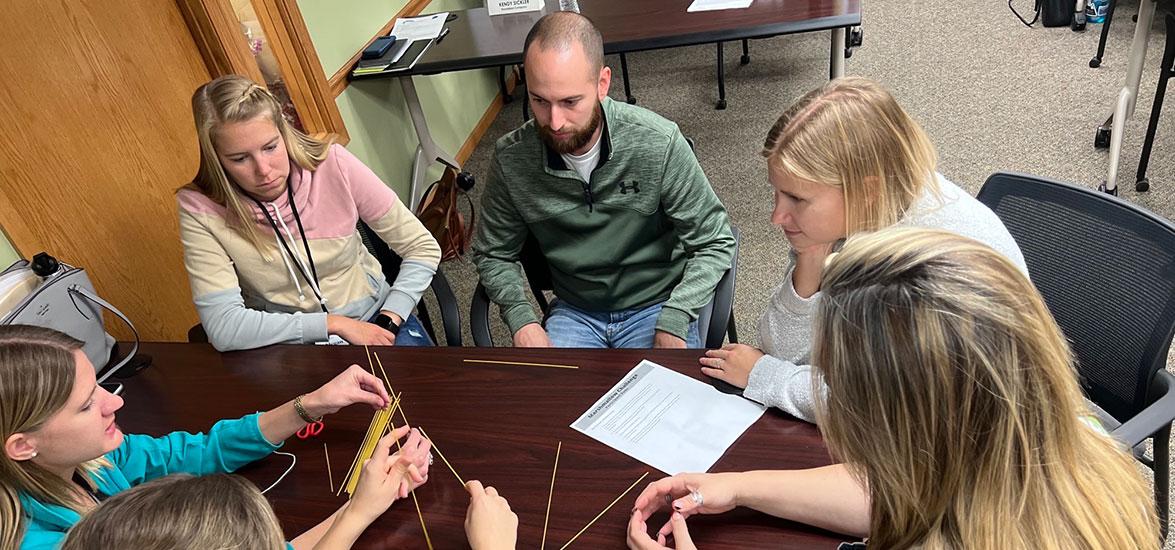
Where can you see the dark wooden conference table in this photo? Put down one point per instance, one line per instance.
(496, 423)
(477, 40)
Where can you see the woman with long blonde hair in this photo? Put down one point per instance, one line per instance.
(953, 403)
(269, 233)
(843, 159)
(63, 451)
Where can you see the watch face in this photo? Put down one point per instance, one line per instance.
(385, 322)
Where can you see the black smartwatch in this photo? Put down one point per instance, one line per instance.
(386, 323)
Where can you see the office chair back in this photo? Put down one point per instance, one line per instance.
(1106, 270)
(390, 262)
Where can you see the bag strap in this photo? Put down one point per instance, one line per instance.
(1017, 14)
(472, 218)
(79, 291)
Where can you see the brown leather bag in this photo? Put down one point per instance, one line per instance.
(439, 213)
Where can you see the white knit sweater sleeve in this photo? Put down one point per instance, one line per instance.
(782, 378)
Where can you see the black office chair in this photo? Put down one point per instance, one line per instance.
(1166, 72)
(390, 265)
(715, 320)
(1106, 270)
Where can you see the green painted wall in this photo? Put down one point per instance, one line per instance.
(374, 110)
(7, 253)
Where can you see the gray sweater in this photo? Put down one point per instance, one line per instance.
(783, 378)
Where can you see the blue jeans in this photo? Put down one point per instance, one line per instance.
(412, 333)
(571, 327)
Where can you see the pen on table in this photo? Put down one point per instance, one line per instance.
(444, 33)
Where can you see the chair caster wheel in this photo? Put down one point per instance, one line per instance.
(721, 105)
(631, 100)
(1143, 185)
(1101, 139)
(1095, 63)
(744, 60)
(1103, 189)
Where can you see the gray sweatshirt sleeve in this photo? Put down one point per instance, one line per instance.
(782, 378)
(232, 326)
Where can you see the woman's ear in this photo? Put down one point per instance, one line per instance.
(20, 447)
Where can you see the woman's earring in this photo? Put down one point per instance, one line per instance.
(34, 455)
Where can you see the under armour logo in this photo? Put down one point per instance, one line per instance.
(625, 187)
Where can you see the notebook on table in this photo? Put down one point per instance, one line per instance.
(402, 56)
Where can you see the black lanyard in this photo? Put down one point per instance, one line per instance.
(305, 243)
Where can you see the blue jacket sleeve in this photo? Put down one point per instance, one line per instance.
(229, 445)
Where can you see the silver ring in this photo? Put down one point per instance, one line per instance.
(696, 496)
(430, 459)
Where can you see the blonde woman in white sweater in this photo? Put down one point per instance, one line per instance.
(845, 158)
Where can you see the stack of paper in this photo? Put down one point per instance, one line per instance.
(408, 31)
(393, 55)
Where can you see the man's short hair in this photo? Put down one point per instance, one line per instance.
(561, 29)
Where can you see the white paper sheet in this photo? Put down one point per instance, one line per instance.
(713, 5)
(425, 27)
(668, 420)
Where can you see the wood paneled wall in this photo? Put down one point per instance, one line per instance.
(95, 101)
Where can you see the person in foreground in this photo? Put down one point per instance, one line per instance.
(64, 453)
(269, 232)
(843, 159)
(953, 404)
(221, 511)
(613, 197)
(225, 511)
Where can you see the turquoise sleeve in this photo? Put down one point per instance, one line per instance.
(226, 447)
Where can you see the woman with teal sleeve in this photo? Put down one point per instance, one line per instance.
(64, 453)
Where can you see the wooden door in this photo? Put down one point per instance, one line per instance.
(98, 133)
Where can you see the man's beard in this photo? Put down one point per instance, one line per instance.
(578, 139)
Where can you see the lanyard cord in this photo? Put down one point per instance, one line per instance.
(301, 231)
(313, 271)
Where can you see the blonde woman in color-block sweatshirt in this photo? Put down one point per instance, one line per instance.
(269, 233)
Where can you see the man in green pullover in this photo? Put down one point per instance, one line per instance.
(634, 235)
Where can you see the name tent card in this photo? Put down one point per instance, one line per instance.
(503, 7)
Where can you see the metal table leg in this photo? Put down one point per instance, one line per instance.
(624, 72)
(1096, 60)
(836, 56)
(427, 152)
(721, 80)
(1124, 107)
